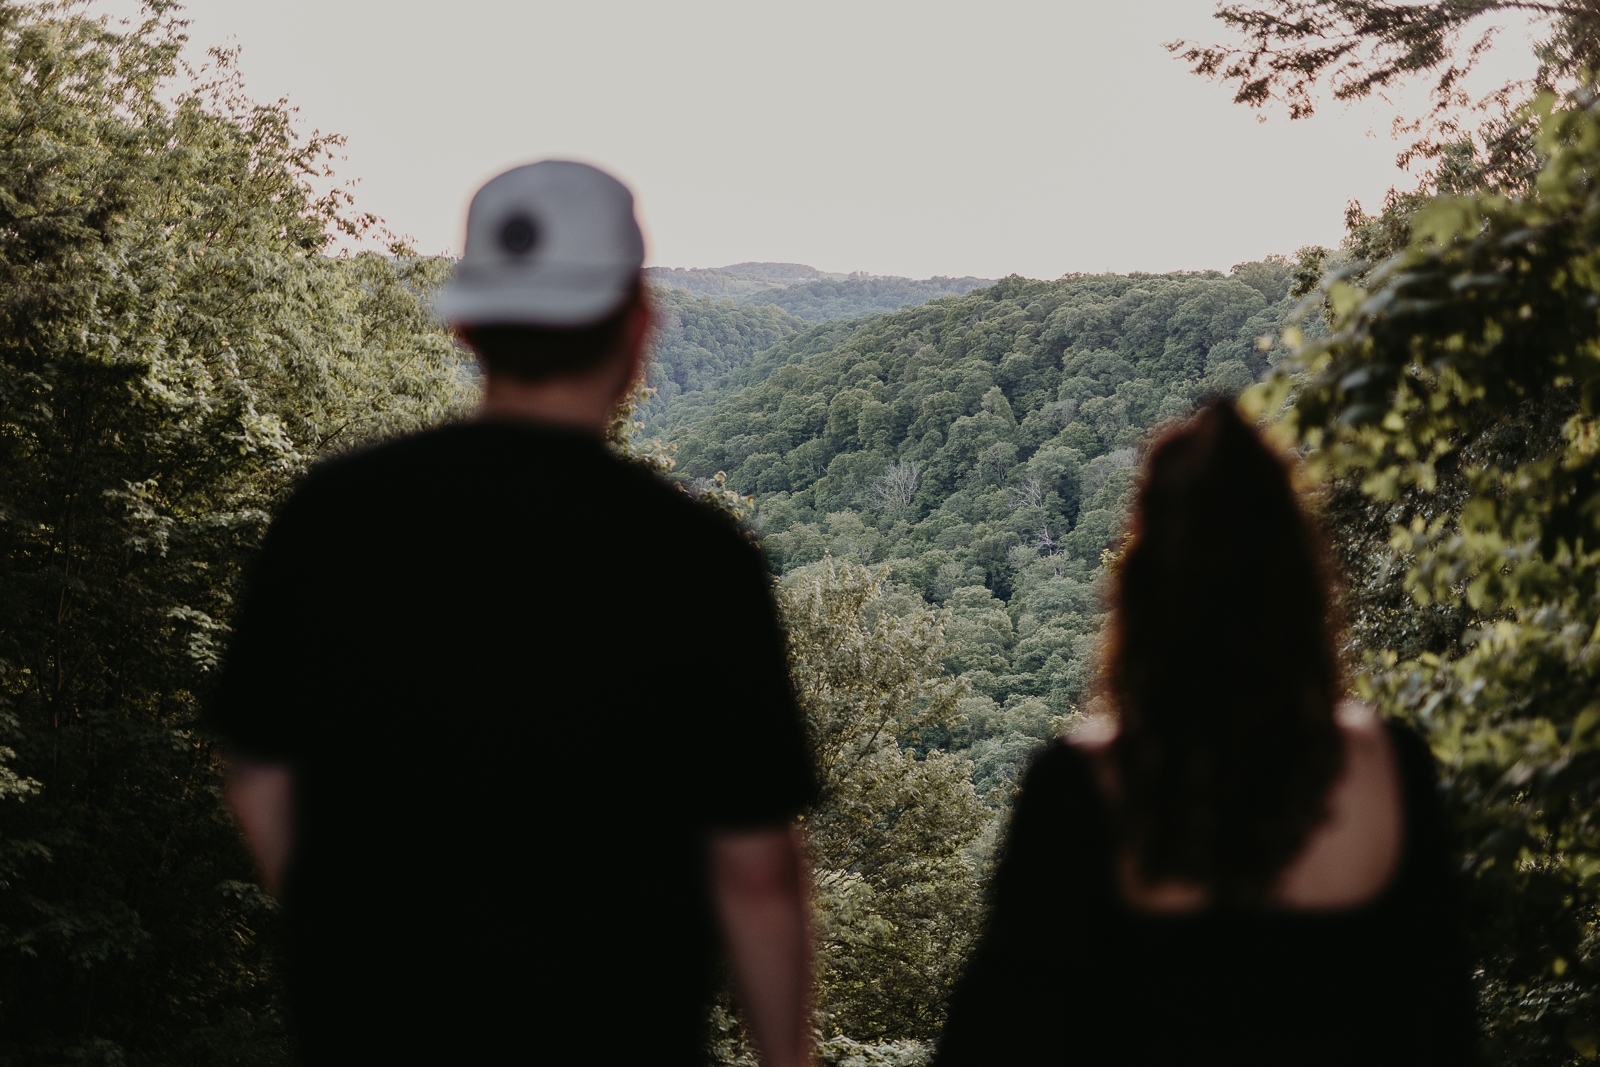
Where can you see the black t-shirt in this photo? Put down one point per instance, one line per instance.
(520, 682)
(1067, 973)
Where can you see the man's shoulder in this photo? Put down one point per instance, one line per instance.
(452, 454)
(364, 463)
(653, 490)
(679, 511)
(613, 487)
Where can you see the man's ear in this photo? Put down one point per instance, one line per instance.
(635, 335)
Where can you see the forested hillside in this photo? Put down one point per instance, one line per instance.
(713, 321)
(982, 448)
(806, 292)
(857, 295)
(697, 341)
(735, 281)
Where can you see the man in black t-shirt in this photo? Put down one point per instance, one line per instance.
(510, 720)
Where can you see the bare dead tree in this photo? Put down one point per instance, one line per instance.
(1046, 541)
(896, 488)
(1027, 493)
(996, 463)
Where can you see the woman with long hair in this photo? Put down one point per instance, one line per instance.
(1242, 868)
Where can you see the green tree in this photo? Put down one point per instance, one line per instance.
(175, 348)
(1287, 52)
(1356, 48)
(1457, 391)
(697, 342)
(892, 833)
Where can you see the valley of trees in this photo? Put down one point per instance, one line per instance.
(938, 471)
(708, 328)
(697, 342)
(982, 448)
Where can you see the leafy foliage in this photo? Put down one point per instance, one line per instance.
(897, 841)
(896, 890)
(1457, 389)
(174, 349)
(1357, 48)
(1362, 47)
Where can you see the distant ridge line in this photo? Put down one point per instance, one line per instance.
(809, 293)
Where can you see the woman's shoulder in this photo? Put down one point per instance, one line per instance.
(1061, 778)
(1078, 752)
(1407, 751)
(1390, 743)
(1066, 779)
(1411, 751)
(1352, 856)
(1368, 744)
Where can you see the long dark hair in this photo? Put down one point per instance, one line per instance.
(1222, 664)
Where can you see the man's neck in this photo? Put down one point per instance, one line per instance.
(582, 403)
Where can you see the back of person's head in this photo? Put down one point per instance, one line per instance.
(549, 278)
(532, 353)
(1222, 664)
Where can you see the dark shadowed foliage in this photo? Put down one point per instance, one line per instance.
(174, 349)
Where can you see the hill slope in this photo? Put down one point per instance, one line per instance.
(843, 298)
(736, 282)
(697, 341)
(983, 446)
(806, 292)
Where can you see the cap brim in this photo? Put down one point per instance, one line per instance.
(545, 295)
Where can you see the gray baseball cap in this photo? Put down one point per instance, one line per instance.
(554, 243)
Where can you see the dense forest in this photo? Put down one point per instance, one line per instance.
(698, 341)
(982, 448)
(705, 329)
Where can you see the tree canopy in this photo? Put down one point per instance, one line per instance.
(697, 342)
(1456, 393)
(175, 347)
(1355, 48)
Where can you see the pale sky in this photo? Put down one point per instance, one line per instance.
(917, 138)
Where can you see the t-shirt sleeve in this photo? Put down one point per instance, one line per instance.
(257, 707)
(760, 771)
